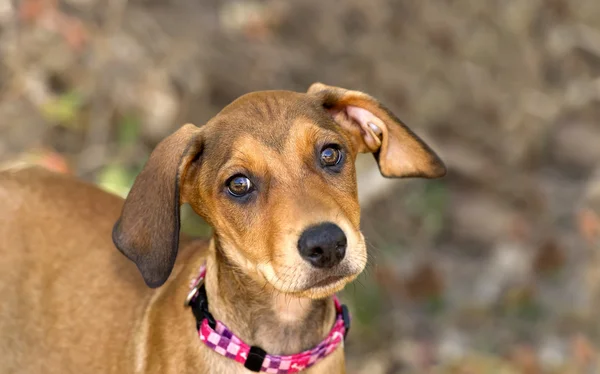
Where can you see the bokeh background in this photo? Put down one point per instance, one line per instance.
(493, 269)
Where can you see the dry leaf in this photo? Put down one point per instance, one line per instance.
(550, 258)
(588, 223)
(525, 358)
(426, 282)
(583, 351)
(32, 10)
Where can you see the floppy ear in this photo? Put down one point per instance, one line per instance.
(373, 128)
(148, 230)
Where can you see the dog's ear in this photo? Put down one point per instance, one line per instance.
(148, 230)
(373, 128)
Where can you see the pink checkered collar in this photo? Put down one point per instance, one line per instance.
(220, 339)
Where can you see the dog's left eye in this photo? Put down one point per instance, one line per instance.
(239, 185)
(331, 156)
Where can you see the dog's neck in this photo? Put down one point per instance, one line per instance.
(259, 315)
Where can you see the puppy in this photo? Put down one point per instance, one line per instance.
(273, 174)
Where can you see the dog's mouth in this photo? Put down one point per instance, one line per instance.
(307, 281)
(327, 281)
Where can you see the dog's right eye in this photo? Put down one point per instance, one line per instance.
(331, 157)
(239, 185)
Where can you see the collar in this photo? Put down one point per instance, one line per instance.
(216, 336)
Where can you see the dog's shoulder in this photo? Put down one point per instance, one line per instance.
(24, 178)
(17, 182)
(34, 187)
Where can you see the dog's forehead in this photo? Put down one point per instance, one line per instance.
(269, 117)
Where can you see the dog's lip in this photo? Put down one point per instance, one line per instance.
(327, 281)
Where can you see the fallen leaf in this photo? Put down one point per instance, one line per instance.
(73, 31)
(55, 162)
(588, 223)
(525, 359)
(550, 258)
(583, 351)
(426, 283)
(31, 10)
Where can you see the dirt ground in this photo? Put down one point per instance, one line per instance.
(494, 269)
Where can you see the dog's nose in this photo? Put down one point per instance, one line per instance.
(323, 245)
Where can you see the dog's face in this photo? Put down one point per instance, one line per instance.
(276, 180)
(273, 173)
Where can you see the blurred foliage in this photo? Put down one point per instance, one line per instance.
(366, 301)
(116, 179)
(128, 131)
(63, 109)
(430, 204)
(192, 224)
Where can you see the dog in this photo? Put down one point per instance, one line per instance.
(273, 174)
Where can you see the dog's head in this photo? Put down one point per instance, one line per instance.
(273, 173)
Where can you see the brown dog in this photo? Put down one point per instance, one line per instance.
(273, 173)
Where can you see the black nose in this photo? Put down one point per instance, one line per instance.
(323, 245)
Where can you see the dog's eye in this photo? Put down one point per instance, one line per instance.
(331, 156)
(239, 185)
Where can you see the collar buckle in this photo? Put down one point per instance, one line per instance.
(198, 301)
(255, 359)
(346, 319)
(193, 293)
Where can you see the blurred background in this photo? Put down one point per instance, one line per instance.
(493, 269)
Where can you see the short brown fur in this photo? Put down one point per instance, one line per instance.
(71, 303)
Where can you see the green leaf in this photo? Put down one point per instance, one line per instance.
(116, 179)
(128, 130)
(192, 224)
(64, 109)
(366, 298)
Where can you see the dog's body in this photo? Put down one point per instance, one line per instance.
(71, 303)
(79, 306)
(56, 271)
